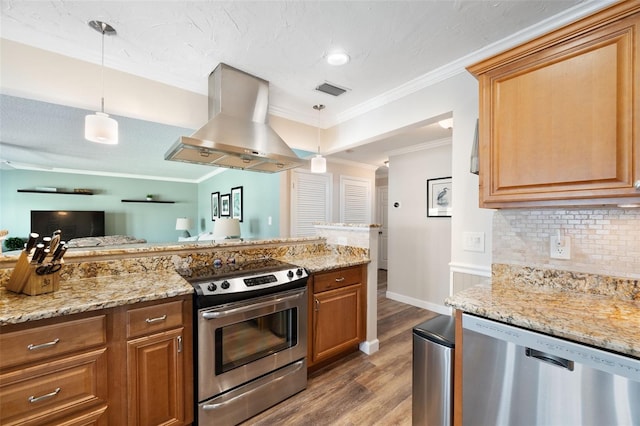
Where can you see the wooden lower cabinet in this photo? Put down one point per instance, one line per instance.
(337, 323)
(337, 313)
(156, 379)
(126, 365)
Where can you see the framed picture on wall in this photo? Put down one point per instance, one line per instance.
(225, 205)
(439, 197)
(215, 205)
(236, 203)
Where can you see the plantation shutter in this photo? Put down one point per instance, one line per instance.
(310, 202)
(355, 200)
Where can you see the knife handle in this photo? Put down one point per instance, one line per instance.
(62, 249)
(31, 242)
(44, 254)
(46, 241)
(58, 249)
(37, 253)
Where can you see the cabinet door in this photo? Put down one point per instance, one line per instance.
(558, 124)
(337, 321)
(156, 380)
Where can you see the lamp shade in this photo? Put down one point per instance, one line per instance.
(183, 224)
(100, 128)
(318, 164)
(226, 228)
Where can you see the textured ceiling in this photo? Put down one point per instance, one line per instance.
(391, 43)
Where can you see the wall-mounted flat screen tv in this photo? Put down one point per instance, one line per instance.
(72, 223)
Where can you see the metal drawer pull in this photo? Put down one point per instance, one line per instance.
(152, 320)
(32, 347)
(33, 399)
(339, 279)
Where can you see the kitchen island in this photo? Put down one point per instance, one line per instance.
(119, 314)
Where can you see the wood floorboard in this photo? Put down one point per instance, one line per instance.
(360, 389)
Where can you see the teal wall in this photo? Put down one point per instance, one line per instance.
(154, 222)
(261, 199)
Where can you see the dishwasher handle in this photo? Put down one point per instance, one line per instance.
(550, 359)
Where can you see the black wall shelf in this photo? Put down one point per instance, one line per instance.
(148, 201)
(37, 191)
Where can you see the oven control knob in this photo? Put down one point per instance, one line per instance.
(299, 272)
(290, 274)
(225, 284)
(212, 287)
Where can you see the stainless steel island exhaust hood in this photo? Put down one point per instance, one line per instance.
(237, 134)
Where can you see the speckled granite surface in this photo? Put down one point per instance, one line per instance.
(325, 262)
(96, 281)
(605, 315)
(91, 294)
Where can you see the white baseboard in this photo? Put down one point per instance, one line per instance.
(441, 309)
(370, 347)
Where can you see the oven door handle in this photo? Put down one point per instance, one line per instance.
(219, 314)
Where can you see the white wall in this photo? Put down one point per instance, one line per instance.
(457, 95)
(419, 246)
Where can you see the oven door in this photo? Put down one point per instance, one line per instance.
(242, 341)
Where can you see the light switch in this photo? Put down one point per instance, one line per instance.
(473, 241)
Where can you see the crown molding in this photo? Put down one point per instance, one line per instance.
(420, 147)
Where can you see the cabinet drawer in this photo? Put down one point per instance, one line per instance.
(154, 318)
(21, 347)
(39, 394)
(338, 278)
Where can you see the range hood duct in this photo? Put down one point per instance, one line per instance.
(237, 134)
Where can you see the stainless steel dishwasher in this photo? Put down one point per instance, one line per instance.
(513, 376)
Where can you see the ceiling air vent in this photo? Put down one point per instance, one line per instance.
(330, 89)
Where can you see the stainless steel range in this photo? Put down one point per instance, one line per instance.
(250, 327)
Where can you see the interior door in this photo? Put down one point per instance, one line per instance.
(382, 201)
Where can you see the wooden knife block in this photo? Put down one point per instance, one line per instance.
(25, 280)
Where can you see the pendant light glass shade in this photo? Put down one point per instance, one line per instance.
(318, 164)
(101, 128)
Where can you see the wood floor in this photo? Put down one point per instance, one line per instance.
(360, 389)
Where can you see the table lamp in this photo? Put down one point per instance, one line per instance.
(183, 224)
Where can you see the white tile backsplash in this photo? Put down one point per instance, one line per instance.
(603, 241)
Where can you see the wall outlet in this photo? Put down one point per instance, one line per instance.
(473, 241)
(560, 247)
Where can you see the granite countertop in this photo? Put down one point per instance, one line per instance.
(91, 294)
(599, 320)
(325, 262)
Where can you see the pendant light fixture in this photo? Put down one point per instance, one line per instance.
(99, 127)
(318, 163)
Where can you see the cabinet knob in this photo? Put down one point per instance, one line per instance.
(636, 185)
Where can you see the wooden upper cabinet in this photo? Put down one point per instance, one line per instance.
(559, 116)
